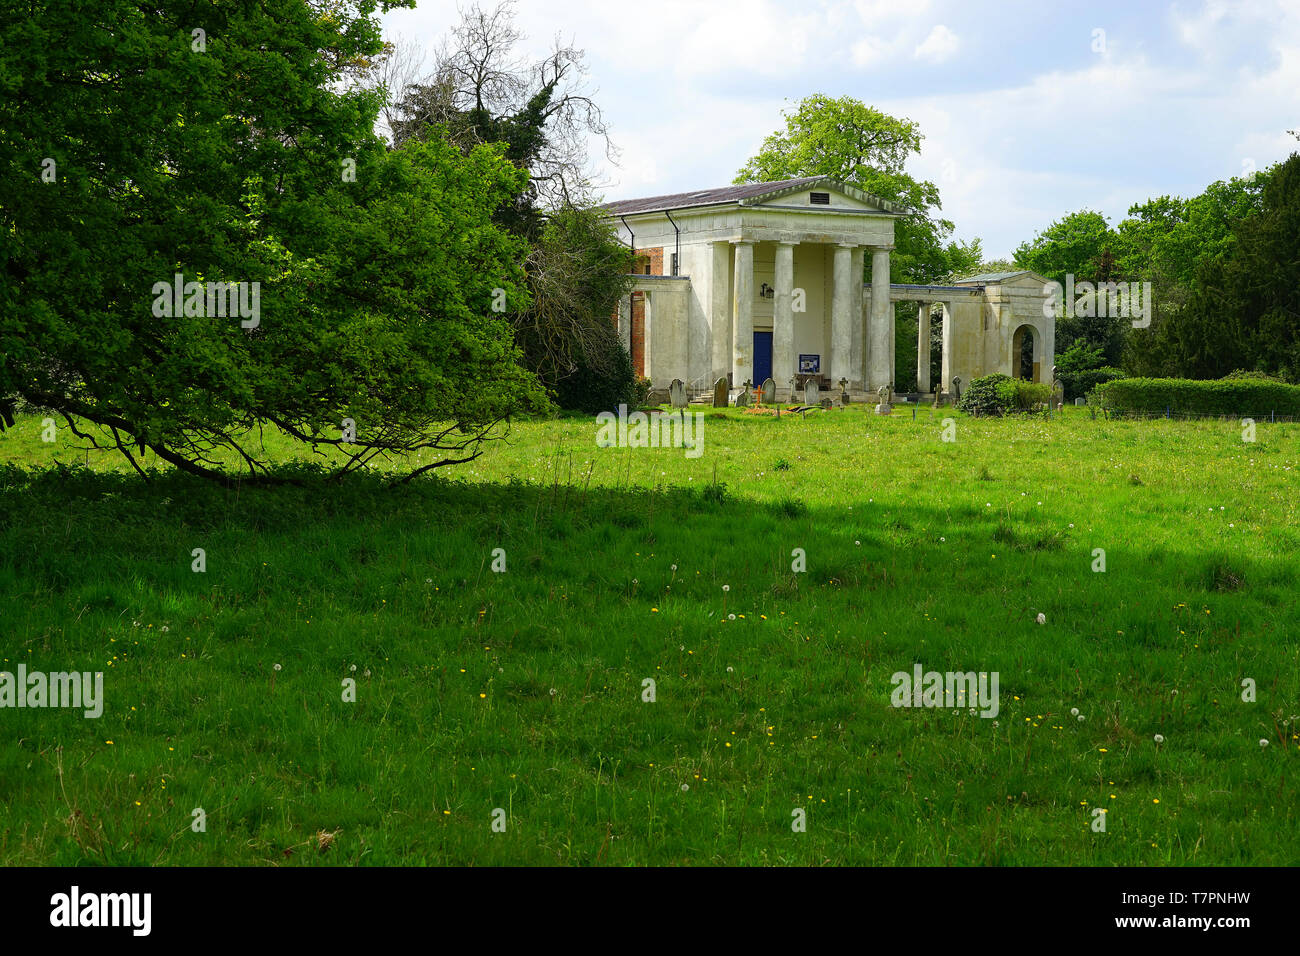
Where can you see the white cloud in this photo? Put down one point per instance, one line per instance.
(940, 45)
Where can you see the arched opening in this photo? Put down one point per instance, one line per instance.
(1024, 363)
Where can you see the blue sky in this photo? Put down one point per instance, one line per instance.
(1023, 119)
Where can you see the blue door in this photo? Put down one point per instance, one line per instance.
(762, 357)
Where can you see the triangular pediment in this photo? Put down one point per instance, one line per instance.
(835, 195)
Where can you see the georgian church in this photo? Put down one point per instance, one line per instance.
(767, 280)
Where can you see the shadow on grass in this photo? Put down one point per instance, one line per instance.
(59, 520)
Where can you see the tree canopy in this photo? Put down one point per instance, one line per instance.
(141, 144)
(864, 147)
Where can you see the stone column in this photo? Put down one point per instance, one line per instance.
(648, 326)
(881, 325)
(856, 353)
(742, 321)
(945, 364)
(783, 357)
(720, 311)
(923, 348)
(1049, 347)
(842, 314)
(625, 322)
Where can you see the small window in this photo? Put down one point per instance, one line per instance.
(819, 199)
(647, 268)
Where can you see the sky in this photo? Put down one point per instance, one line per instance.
(1029, 110)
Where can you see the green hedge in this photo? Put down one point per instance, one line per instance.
(1234, 396)
(1079, 384)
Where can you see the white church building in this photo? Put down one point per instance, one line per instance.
(765, 280)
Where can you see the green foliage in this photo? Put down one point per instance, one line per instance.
(1257, 398)
(1243, 310)
(1082, 383)
(999, 394)
(983, 396)
(603, 385)
(1075, 244)
(1081, 369)
(578, 271)
(858, 144)
(1021, 395)
(375, 292)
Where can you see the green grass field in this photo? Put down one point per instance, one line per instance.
(523, 690)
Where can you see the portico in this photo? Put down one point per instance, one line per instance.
(766, 280)
(775, 277)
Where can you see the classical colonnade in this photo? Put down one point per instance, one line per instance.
(865, 364)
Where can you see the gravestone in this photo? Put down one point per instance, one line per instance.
(810, 393)
(742, 400)
(720, 393)
(657, 396)
(956, 390)
(769, 391)
(1080, 401)
(677, 393)
(883, 393)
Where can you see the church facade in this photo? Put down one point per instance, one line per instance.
(764, 280)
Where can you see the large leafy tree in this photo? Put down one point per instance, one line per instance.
(481, 91)
(1081, 245)
(225, 142)
(1243, 307)
(867, 148)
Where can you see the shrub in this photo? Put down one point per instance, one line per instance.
(998, 394)
(1250, 396)
(589, 390)
(1252, 374)
(982, 396)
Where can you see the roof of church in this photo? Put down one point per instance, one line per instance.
(995, 276)
(737, 193)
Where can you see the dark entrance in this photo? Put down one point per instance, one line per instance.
(762, 357)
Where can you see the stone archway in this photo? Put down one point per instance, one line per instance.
(1026, 353)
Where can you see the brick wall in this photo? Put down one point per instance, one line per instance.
(638, 333)
(649, 262)
(654, 258)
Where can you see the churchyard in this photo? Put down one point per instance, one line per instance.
(567, 653)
